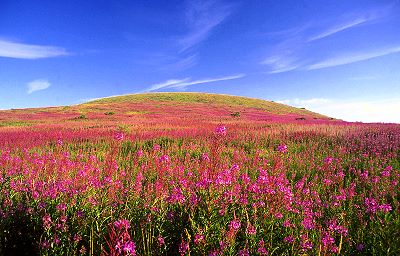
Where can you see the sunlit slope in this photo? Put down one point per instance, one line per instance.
(206, 99)
(179, 108)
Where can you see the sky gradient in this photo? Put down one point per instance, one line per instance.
(339, 58)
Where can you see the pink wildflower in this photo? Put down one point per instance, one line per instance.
(160, 241)
(289, 239)
(221, 130)
(119, 136)
(234, 224)
(250, 230)
(164, 158)
(198, 238)
(183, 247)
(205, 157)
(122, 224)
(46, 221)
(282, 148)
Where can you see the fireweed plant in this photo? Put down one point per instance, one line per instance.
(178, 186)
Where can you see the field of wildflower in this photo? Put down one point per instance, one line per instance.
(191, 175)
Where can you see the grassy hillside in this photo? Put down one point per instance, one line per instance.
(221, 100)
(150, 107)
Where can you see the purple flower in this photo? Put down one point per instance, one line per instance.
(129, 247)
(214, 253)
(328, 160)
(77, 238)
(183, 247)
(234, 224)
(385, 207)
(119, 136)
(289, 239)
(56, 240)
(360, 247)
(307, 245)
(160, 241)
(371, 205)
(287, 224)
(308, 223)
(282, 148)
(262, 251)
(327, 240)
(45, 244)
(164, 158)
(122, 224)
(170, 215)
(198, 238)
(205, 157)
(62, 207)
(244, 252)
(83, 250)
(63, 218)
(251, 230)
(176, 196)
(46, 221)
(220, 130)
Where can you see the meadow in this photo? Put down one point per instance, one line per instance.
(196, 174)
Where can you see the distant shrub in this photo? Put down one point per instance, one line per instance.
(109, 113)
(81, 116)
(125, 128)
(300, 118)
(235, 114)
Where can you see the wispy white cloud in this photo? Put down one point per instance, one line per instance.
(284, 56)
(281, 63)
(364, 78)
(38, 85)
(182, 84)
(292, 52)
(352, 58)
(289, 62)
(180, 64)
(202, 17)
(11, 49)
(352, 20)
(382, 110)
(285, 33)
(166, 84)
(179, 52)
(338, 28)
(207, 80)
(301, 102)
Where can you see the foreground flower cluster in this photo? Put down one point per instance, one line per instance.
(281, 189)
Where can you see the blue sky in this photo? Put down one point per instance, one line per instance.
(340, 58)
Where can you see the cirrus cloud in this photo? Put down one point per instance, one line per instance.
(184, 83)
(38, 85)
(9, 49)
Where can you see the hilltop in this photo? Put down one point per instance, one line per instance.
(164, 107)
(219, 100)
